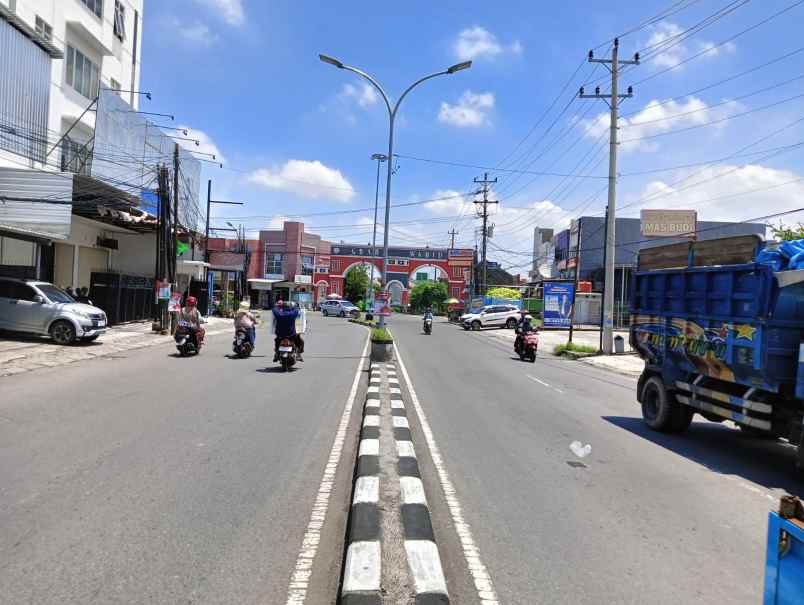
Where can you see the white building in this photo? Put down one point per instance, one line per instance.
(55, 56)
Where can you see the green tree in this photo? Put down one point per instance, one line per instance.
(783, 233)
(508, 293)
(427, 294)
(355, 284)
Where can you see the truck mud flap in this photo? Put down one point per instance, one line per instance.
(743, 410)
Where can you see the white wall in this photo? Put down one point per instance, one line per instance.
(136, 254)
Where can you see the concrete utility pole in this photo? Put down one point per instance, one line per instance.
(485, 182)
(613, 99)
(380, 158)
(452, 235)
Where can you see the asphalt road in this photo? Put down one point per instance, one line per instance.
(145, 478)
(646, 518)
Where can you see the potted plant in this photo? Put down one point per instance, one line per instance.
(381, 345)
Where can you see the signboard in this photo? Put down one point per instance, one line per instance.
(276, 276)
(668, 223)
(174, 304)
(303, 279)
(162, 290)
(558, 300)
(424, 253)
(381, 306)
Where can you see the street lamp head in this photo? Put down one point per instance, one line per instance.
(379, 156)
(331, 61)
(459, 67)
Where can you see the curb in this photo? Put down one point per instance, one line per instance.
(362, 580)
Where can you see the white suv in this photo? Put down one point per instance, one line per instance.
(338, 307)
(492, 316)
(38, 307)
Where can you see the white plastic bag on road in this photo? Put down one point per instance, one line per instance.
(580, 450)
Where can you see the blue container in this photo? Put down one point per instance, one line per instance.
(784, 562)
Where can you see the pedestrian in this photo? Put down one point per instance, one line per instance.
(82, 296)
(69, 291)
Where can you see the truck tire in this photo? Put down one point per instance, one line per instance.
(659, 410)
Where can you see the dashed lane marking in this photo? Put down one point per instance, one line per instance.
(471, 553)
(300, 580)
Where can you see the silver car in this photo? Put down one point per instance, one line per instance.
(339, 307)
(37, 307)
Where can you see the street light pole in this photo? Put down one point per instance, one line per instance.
(392, 111)
(370, 290)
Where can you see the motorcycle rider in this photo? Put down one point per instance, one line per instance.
(284, 320)
(245, 320)
(524, 326)
(190, 314)
(428, 314)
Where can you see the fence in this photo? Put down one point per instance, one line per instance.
(122, 297)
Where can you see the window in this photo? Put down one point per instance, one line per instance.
(22, 292)
(336, 265)
(115, 85)
(119, 20)
(44, 29)
(75, 157)
(273, 263)
(321, 270)
(82, 74)
(307, 265)
(456, 291)
(457, 272)
(96, 6)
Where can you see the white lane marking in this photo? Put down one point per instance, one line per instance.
(412, 490)
(397, 404)
(558, 390)
(369, 447)
(400, 422)
(483, 583)
(371, 420)
(541, 382)
(367, 489)
(363, 567)
(300, 580)
(425, 566)
(404, 449)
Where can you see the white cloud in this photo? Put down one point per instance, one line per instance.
(364, 94)
(471, 110)
(308, 179)
(205, 143)
(196, 34)
(726, 192)
(672, 49)
(230, 10)
(658, 117)
(478, 42)
(453, 202)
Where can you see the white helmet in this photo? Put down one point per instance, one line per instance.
(529, 317)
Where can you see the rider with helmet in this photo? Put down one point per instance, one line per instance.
(284, 326)
(192, 317)
(524, 326)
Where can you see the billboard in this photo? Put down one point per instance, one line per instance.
(668, 223)
(558, 300)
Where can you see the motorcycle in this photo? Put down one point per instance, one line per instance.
(287, 354)
(428, 326)
(527, 345)
(186, 339)
(241, 346)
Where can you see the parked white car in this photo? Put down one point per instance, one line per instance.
(37, 307)
(492, 316)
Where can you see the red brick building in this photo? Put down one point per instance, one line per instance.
(292, 263)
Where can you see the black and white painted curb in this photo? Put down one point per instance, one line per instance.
(363, 575)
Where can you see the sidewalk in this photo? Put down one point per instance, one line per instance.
(19, 354)
(628, 364)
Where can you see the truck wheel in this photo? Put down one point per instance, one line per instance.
(658, 410)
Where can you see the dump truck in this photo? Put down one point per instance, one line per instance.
(722, 335)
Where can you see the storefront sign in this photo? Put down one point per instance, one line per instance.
(558, 300)
(668, 223)
(276, 276)
(303, 279)
(424, 253)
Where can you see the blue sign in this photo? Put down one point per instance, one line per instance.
(558, 300)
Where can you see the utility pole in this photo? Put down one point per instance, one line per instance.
(173, 277)
(613, 99)
(485, 182)
(452, 235)
(210, 201)
(577, 276)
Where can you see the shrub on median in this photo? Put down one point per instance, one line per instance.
(381, 335)
(573, 348)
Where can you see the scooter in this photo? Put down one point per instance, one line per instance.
(241, 346)
(526, 349)
(186, 339)
(428, 326)
(287, 354)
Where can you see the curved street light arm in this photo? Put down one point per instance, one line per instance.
(414, 85)
(374, 83)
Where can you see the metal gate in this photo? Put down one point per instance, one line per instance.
(122, 297)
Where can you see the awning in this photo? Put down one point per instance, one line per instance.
(262, 284)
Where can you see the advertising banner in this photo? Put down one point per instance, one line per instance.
(558, 300)
(668, 223)
(381, 306)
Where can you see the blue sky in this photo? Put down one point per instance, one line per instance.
(296, 135)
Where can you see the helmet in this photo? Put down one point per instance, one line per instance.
(191, 301)
(291, 304)
(528, 317)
